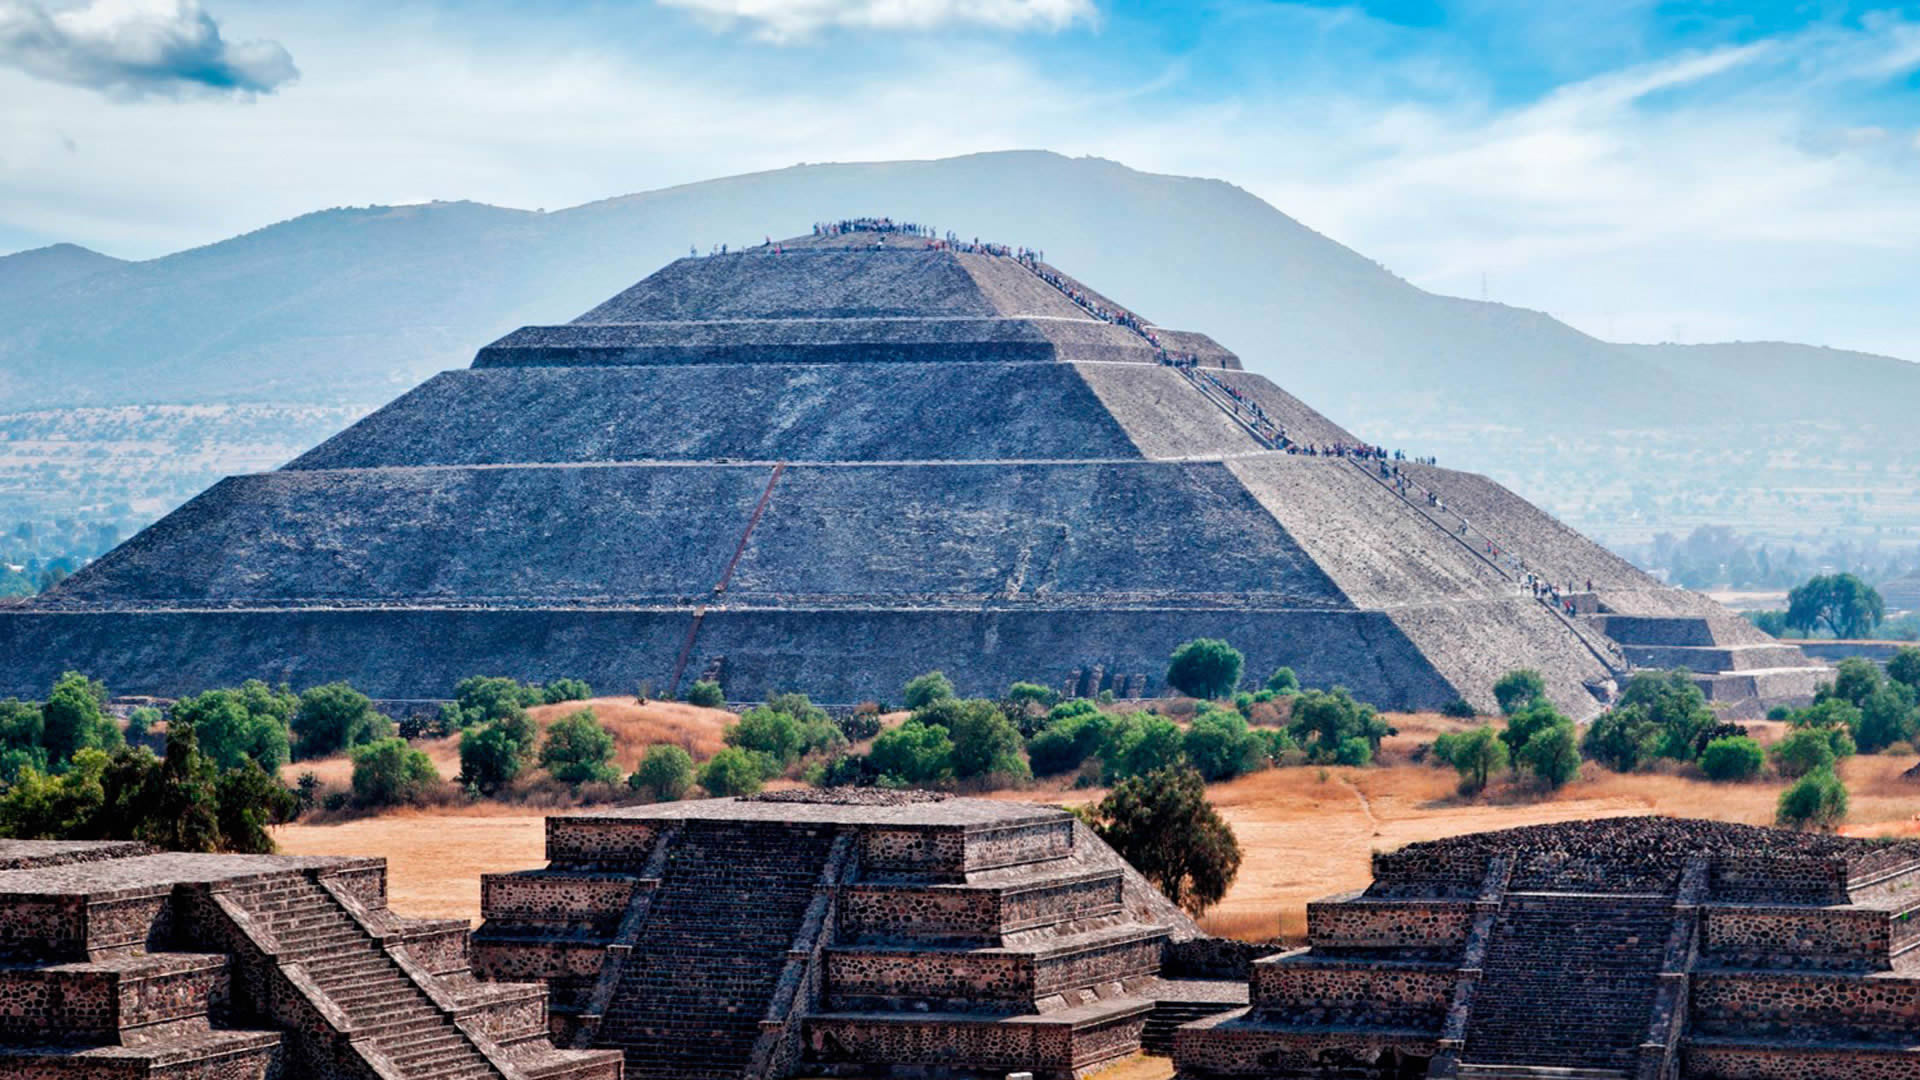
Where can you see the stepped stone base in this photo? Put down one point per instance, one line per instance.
(1635, 947)
(849, 932)
(120, 962)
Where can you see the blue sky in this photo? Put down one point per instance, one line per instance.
(1646, 171)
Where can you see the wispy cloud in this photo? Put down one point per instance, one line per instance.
(136, 48)
(796, 20)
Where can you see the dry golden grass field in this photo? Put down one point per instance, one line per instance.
(1306, 832)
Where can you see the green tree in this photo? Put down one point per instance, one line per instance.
(564, 690)
(334, 717)
(1677, 705)
(1528, 720)
(1904, 667)
(1138, 744)
(664, 774)
(1323, 720)
(249, 722)
(388, 772)
(39, 806)
(732, 772)
(483, 699)
(1845, 605)
(22, 739)
(1734, 757)
(1854, 681)
(1817, 800)
(706, 694)
(923, 690)
(1476, 755)
(141, 720)
(246, 802)
(75, 719)
(1808, 750)
(1624, 739)
(1074, 732)
(1552, 755)
(1221, 745)
(1888, 715)
(1519, 689)
(913, 753)
(769, 732)
(579, 750)
(183, 795)
(1205, 668)
(1163, 825)
(492, 755)
(985, 742)
(1283, 681)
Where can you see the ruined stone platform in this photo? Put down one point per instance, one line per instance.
(119, 961)
(1642, 948)
(857, 932)
(830, 464)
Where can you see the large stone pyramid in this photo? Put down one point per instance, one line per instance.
(829, 464)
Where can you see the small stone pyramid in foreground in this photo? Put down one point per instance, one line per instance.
(118, 962)
(1639, 948)
(830, 464)
(854, 931)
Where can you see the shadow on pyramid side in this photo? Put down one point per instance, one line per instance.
(829, 464)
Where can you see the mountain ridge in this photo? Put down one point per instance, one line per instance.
(349, 304)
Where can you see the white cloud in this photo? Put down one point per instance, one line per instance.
(791, 20)
(132, 48)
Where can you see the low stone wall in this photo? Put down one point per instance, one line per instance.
(541, 896)
(1233, 1048)
(1805, 1007)
(593, 842)
(1707, 1062)
(1360, 993)
(1839, 939)
(1214, 958)
(1432, 926)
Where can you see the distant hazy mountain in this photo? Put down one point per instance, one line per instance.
(355, 304)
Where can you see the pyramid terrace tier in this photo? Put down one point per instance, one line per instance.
(125, 962)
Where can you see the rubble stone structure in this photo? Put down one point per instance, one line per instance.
(1646, 948)
(830, 464)
(118, 962)
(847, 932)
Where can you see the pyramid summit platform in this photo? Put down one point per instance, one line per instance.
(831, 463)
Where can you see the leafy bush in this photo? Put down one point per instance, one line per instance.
(985, 742)
(75, 718)
(1551, 754)
(1205, 668)
(1460, 709)
(1221, 746)
(22, 739)
(140, 720)
(1531, 719)
(784, 730)
(1026, 693)
(579, 750)
(482, 699)
(913, 753)
(388, 772)
(1283, 681)
(1476, 755)
(1732, 758)
(1519, 689)
(1139, 743)
(246, 802)
(665, 773)
(732, 772)
(1904, 667)
(1624, 739)
(1072, 735)
(1324, 720)
(923, 690)
(560, 690)
(334, 717)
(1163, 825)
(250, 722)
(1817, 800)
(492, 755)
(1803, 752)
(863, 723)
(706, 694)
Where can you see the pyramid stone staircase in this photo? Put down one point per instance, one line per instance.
(850, 932)
(119, 961)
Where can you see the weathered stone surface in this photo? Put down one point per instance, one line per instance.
(841, 461)
(122, 962)
(1627, 947)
